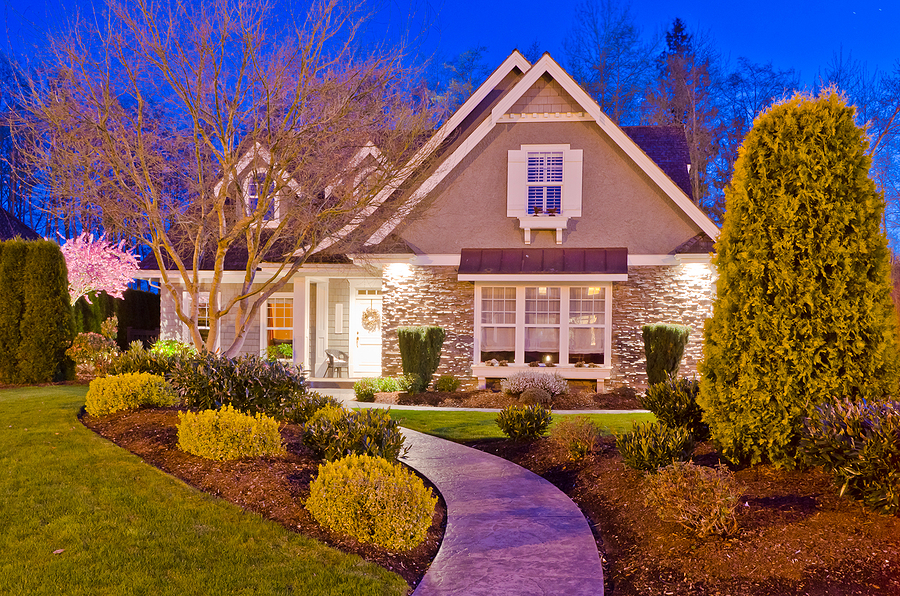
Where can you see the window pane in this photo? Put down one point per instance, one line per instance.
(542, 306)
(498, 306)
(498, 343)
(587, 306)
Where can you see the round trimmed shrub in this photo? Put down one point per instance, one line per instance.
(126, 392)
(227, 433)
(372, 500)
(553, 383)
(535, 395)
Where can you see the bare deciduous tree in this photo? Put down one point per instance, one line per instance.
(218, 141)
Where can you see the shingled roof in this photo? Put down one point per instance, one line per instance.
(12, 227)
(666, 146)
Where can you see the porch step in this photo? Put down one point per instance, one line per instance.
(331, 383)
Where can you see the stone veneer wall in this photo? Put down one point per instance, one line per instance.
(429, 295)
(681, 294)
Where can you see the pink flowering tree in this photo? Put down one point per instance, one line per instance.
(96, 265)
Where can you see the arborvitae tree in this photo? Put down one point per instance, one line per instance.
(420, 352)
(46, 327)
(12, 258)
(803, 314)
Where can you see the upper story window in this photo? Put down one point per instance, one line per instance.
(543, 187)
(256, 191)
(545, 178)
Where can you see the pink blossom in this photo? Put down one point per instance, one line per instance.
(98, 265)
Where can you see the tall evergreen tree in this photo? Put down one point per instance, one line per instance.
(803, 314)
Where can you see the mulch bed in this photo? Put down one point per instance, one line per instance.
(575, 400)
(274, 487)
(796, 537)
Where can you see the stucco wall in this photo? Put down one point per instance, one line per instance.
(429, 296)
(621, 206)
(680, 294)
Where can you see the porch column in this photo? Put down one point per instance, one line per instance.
(301, 316)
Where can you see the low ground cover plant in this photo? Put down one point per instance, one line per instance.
(674, 403)
(575, 436)
(520, 381)
(447, 383)
(650, 445)
(333, 433)
(524, 423)
(125, 392)
(227, 433)
(535, 395)
(366, 388)
(702, 500)
(859, 444)
(372, 500)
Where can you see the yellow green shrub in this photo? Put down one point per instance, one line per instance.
(229, 434)
(125, 392)
(372, 500)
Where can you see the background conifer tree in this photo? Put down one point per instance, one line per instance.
(803, 314)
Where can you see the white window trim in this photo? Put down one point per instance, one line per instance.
(517, 189)
(185, 332)
(245, 187)
(264, 322)
(519, 360)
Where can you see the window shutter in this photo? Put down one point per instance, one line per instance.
(572, 182)
(516, 173)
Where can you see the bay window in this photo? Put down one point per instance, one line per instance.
(563, 324)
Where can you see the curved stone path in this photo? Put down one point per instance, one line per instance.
(509, 531)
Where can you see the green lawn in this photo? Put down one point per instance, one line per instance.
(125, 528)
(471, 426)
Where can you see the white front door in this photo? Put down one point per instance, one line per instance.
(365, 328)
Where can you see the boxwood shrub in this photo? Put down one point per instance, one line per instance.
(125, 392)
(227, 433)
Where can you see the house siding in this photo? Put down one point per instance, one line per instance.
(429, 296)
(680, 294)
(339, 293)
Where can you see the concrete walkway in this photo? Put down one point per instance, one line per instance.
(509, 531)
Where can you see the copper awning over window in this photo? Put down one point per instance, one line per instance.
(512, 261)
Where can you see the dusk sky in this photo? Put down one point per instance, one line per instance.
(799, 35)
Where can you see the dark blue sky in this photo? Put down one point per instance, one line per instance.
(801, 35)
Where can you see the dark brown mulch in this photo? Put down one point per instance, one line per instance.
(274, 487)
(584, 400)
(797, 536)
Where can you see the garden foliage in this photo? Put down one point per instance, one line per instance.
(35, 316)
(447, 383)
(859, 443)
(226, 434)
(333, 433)
(420, 351)
(650, 445)
(664, 347)
(576, 436)
(372, 500)
(247, 383)
(301, 410)
(126, 392)
(702, 500)
(674, 403)
(524, 423)
(518, 382)
(90, 351)
(803, 314)
(366, 388)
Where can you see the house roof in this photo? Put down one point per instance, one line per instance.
(543, 260)
(12, 227)
(668, 148)
(661, 143)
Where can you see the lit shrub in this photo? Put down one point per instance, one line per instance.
(576, 436)
(372, 500)
(702, 500)
(447, 383)
(135, 359)
(522, 423)
(88, 351)
(333, 433)
(227, 434)
(126, 392)
(651, 445)
(535, 395)
(302, 409)
(518, 382)
(674, 403)
(859, 443)
(172, 347)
